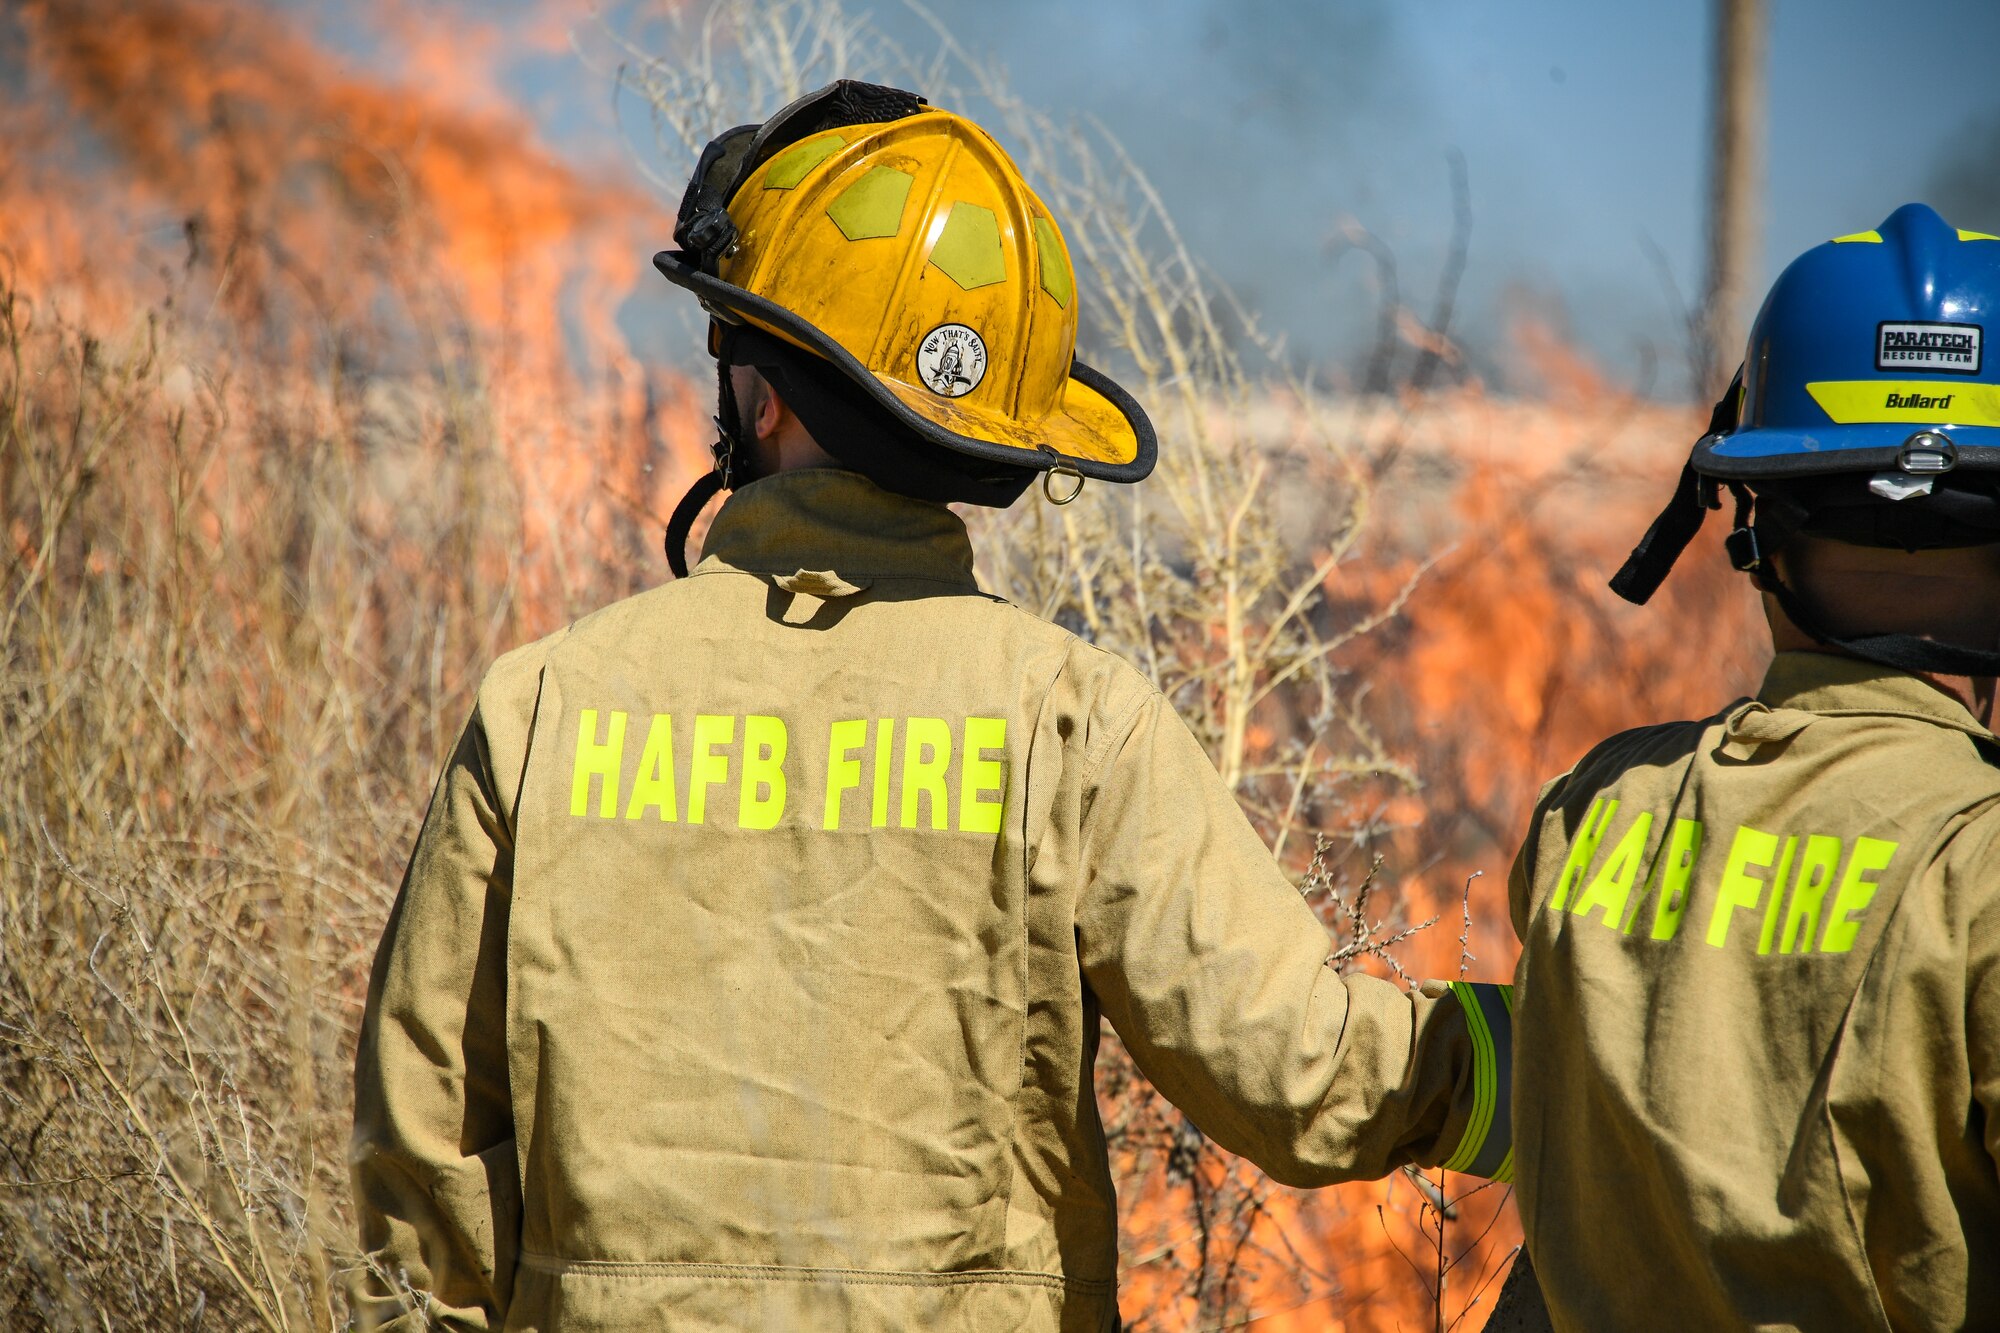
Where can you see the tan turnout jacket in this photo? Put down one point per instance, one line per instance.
(1758, 1063)
(748, 969)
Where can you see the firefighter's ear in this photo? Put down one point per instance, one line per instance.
(762, 411)
(772, 412)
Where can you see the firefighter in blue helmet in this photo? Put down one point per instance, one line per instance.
(1758, 1038)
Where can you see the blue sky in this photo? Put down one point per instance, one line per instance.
(1582, 125)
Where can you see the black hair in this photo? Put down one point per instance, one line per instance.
(1960, 509)
(843, 421)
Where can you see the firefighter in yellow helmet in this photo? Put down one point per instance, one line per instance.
(907, 296)
(749, 966)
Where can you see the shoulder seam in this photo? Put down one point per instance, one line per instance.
(1116, 733)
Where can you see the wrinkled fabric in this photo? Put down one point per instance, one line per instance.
(749, 966)
(1757, 1052)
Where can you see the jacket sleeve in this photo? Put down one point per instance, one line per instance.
(435, 1181)
(1212, 969)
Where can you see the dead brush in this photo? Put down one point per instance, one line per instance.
(1224, 578)
(224, 699)
(167, 1163)
(1229, 578)
(247, 585)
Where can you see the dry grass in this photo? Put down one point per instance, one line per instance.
(243, 606)
(249, 578)
(225, 693)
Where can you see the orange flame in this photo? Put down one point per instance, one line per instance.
(326, 207)
(317, 208)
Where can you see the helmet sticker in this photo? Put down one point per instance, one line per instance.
(952, 360)
(1952, 347)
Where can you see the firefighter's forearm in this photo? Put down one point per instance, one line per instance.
(1213, 970)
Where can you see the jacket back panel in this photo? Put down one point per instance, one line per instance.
(768, 956)
(1743, 1089)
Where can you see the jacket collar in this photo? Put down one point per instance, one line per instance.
(823, 519)
(1824, 683)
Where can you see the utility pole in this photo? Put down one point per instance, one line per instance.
(1735, 186)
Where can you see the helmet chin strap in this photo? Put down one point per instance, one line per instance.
(1653, 558)
(734, 461)
(1764, 524)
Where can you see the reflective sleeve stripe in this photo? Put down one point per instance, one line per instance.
(1488, 1146)
(1482, 1079)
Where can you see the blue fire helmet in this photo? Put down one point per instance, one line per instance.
(1867, 410)
(1871, 354)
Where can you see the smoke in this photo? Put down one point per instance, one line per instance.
(1308, 71)
(1965, 184)
(1263, 127)
(401, 240)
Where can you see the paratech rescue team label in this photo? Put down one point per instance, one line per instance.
(744, 770)
(1913, 346)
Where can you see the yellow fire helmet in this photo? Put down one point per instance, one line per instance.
(899, 245)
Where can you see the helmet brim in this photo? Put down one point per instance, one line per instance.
(1099, 430)
(1757, 454)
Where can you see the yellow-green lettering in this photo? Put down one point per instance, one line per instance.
(604, 762)
(1870, 857)
(885, 743)
(1595, 820)
(979, 775)
(1613, 884)
(653, 786)
(1739, 888)
(1777, 896)
(843, 771)
(1676, 873)
(760, 800)
(1817, 863)
(926, 756)
(708, 768)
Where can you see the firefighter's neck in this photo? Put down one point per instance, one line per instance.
(1950, 596)
(779, 441)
